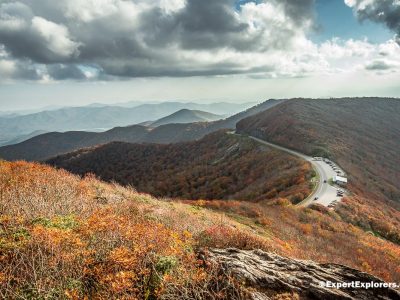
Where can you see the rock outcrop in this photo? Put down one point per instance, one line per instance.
(270, 276)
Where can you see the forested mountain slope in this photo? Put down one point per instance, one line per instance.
(219, 166)
(362, 135)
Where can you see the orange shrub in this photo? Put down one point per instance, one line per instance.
(220, 236)
(92, 240)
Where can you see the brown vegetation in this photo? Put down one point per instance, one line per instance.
(314, 233)
(220, 166)
(66, 237)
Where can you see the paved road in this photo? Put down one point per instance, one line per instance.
(325, 193)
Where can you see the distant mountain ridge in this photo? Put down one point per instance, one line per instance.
(187, 116)
(51, 144)
(22, 138)
(89, 118)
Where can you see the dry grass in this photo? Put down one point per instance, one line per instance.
(62, 237)
(316, 234)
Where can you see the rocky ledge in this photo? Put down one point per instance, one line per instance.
(270, 276)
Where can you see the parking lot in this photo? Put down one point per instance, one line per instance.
(331, 193)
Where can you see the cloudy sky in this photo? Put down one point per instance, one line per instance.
(74, 52)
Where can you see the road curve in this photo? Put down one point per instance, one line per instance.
(324, 192)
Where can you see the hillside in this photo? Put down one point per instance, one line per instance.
(187, 116)
(51, 144)
(361, 135)
(219, 166)
(63, 237)
(21, 138)
(94, 118)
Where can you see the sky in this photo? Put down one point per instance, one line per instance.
(76, 52)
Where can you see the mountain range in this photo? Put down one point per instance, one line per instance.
(54, 143)
(101, 118)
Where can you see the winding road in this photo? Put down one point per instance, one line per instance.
(324, 192)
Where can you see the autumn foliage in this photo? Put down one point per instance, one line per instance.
(63, 237)
(66, 238)
(314, 233)
(219, 166)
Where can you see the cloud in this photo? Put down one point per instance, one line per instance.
(138, 38)
(361, 55)
(109, 39)
(62, 72)
(337, 48)
(382, 11)
(56, 38)
(27, 36)
(390, 48)
(382, 65)
(17, 70)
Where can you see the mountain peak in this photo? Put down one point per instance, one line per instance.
(185, 115)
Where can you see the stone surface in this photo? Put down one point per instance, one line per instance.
(268, 275)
